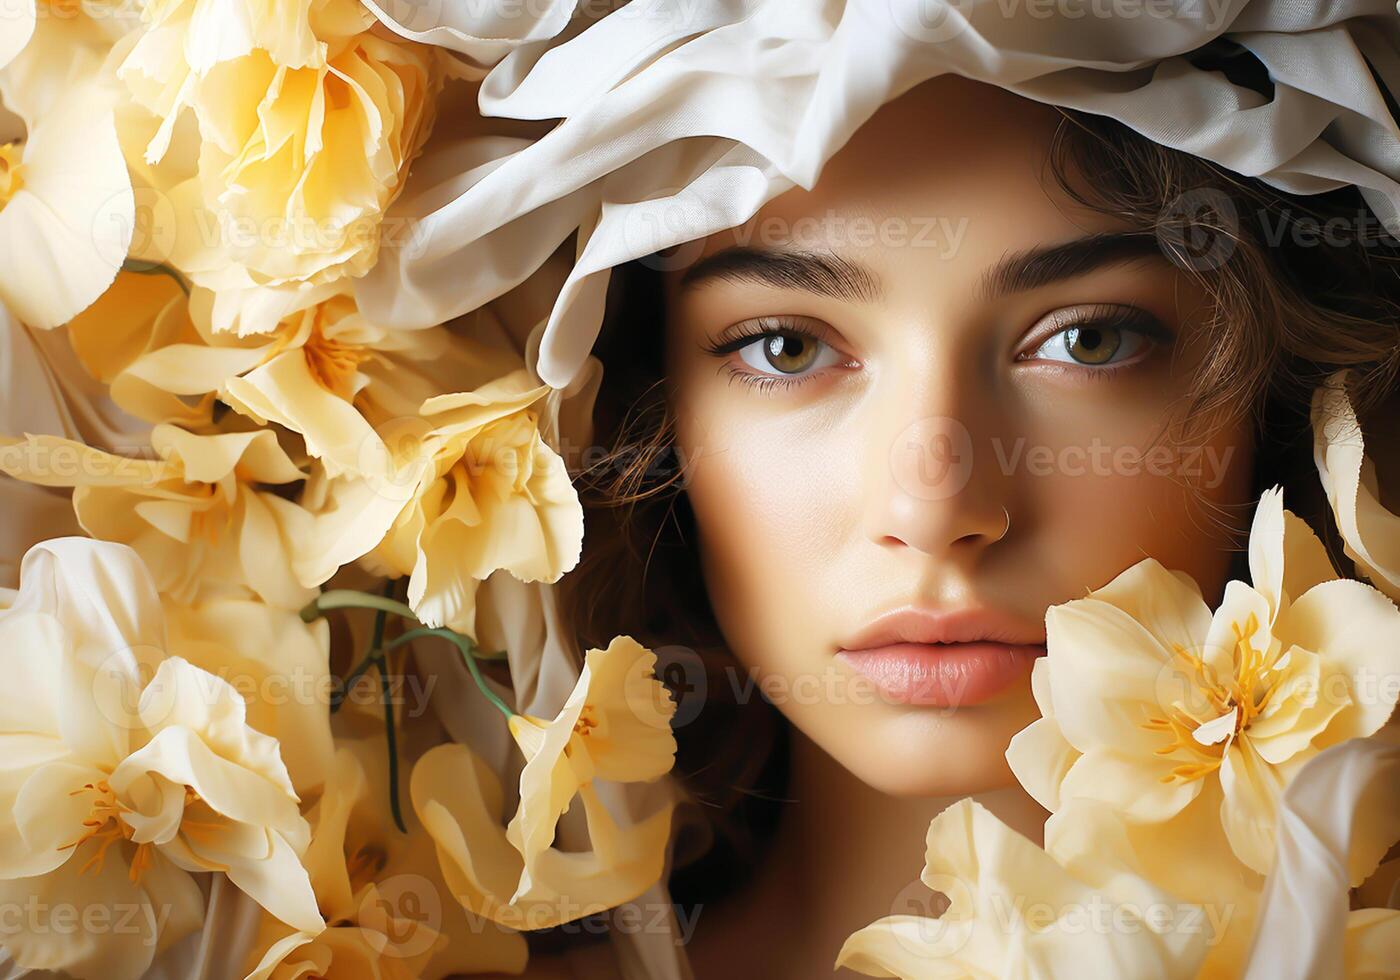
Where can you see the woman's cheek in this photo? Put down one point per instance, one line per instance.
(768, 501)
(1103, 497)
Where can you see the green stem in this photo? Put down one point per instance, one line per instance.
(468, 651)
(391, 737)
(352, 599)
(141, 268)
(372, 659)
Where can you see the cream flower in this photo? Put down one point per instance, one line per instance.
(307, 123)
(615, 726)
(464, 488)
(212, 794)
(1149, 699)
(388, 912)
(125, 769)
(197, 515)
(19, 28)
(1371, 533)
(67, 211)
(279, 665)
(1013, 911)
(1336, 821)
(325, 372)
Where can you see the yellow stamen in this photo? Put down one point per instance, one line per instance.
(11, 172)
(1238, 694)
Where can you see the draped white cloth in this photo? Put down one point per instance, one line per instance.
(680, 118)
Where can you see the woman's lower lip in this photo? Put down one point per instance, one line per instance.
(946, 675)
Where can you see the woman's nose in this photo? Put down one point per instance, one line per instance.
(933, 486)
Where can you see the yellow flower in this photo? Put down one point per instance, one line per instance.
(1371, 533)
(388, 912)
(212, 794)
(197, 515)
(125, 770)
(277, 662)
(616, 727)
(1337, 820)
(325, 373)
(307, 124)
(18, 30)
(1150, 701)
(1013, 910)
(67, 211)
(464, 488)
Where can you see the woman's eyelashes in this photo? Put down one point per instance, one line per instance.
(774, 351)
(1096, 338)
(780, 352)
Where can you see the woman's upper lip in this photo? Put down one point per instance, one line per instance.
(922, 624)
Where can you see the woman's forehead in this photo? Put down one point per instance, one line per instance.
(951, 165)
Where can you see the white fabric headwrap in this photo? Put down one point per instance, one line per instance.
(681, 118)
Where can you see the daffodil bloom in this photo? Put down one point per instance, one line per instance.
(67, 210)
(324, 373)
(308, 122)
(615, 727)
(1013, 911)
(388, 913)
(197, 514)
(277, 662)
(18, 30)
(1337, 820)
(126, 770)
(1151, 701)
(1371, 533)
(460, 490)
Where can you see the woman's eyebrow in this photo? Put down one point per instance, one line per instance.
(1045, 264)
(829, 274)
(824, 273)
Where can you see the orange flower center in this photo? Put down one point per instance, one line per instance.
(1246, 693)
(11, 172)
(587, 721)
(105, 825)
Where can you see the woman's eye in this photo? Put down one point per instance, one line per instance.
(1091, 345)
(788, 354)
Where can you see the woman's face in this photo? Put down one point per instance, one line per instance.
(873, 377)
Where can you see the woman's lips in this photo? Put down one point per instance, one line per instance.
(946, 675)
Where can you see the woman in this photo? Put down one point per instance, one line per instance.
(1019, 385)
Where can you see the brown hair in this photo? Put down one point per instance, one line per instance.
(1290, 302)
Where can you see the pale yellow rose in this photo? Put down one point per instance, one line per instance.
(1013, 911)
(124, 771)
(462, 489)
(388, 911)
(1371, 533)
(616, 727)
(307, 123)
(1151, 701)
(197, 514)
